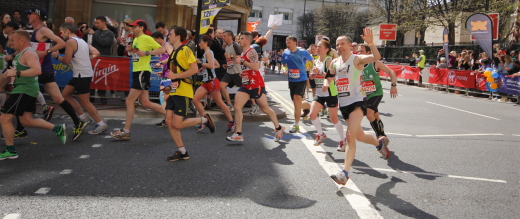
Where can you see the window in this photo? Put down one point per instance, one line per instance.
(256, 12)
(287, 14)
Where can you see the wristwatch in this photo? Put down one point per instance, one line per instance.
(394, 84)
(147, 53)
(18, 73)
(49, 52)
(56, 57)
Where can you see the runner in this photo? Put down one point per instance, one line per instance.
(210, 85)
(42, 39)
(79, 53)
(326, 93)
(159, 38)
(183, 65)
(279, 60)
(374, 90)
(232, 76)
(311, 83)
(352, 100)
(272, 64)
(294, 65)
(144, 46)
(252, 87)
(22, 100)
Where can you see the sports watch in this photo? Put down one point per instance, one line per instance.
(394, 84)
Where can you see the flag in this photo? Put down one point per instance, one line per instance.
(480, 26)
(209, 11)
(252, 26)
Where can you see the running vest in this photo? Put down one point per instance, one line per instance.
(371, 82)
(348, 81)
(81, 65)
(206, 77)
(319, 80)
(250, 79)
(46, 61)
(24, 85)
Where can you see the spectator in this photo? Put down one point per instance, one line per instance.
(412, 60)
(126, 39)
(476, 62)
(17, 17)
(70, 20)
(5, 19)
(216, 47)
(509, 65)
(440, 54)
(220, 37)
(514, 56)
(442, 63)
(190, 43)
(102, 40)
(516, 67)
(453, 60)
(421, 61)
(161, 27)
(354, 48)
(464, 64)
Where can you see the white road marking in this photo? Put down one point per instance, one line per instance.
(389, 133)
(84, 156)
(107, 136)
(463, 110)
(12, 216)
(458, 135)
(515, 135)
(432, 174)
(66, 171)
(351, 192)
(96, 145)
(43, 191)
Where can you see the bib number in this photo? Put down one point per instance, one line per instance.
(245, 80)
(342, 85)
(135, 57)
(173, 86)
(229, 63)
(369, 87)
(294, 73)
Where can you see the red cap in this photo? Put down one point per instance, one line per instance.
(140, 23)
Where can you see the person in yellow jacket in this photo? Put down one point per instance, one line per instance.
(421, 61)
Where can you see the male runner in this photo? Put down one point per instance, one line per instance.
(22, 101)
(294, 60)
(252, 87)
(232, 75)
(45, 36)
(374, 90)
(144, 47)
(352, 99)
(79, 53)
(313, 50)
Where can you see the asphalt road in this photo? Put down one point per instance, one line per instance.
(445, 163)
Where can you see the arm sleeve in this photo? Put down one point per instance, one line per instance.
(106, 40)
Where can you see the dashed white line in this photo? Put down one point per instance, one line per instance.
(458, 135)
(516, 135)
(389, 133)
(84, 156)
(43, 191)
(107, 136)
(12, 216)
(66, 171)
(96, 145)
(463, 110)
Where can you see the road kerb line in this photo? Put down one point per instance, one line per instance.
(351, 192)
(43, 191)
(463, 110)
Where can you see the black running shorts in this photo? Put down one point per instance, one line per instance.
(373, 102)
(141, 80)
(312, 83)
(232, 80)
(331, 101)
(178, 104)
(254, 93)
(18, 104)
(81, 85)
(347, 110)
(297, 88)
(46, 77)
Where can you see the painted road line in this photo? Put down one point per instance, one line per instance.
(431, 174)
(66, 171)
(351, 192)
(96, 145)
(107, 136)
(84, 156)
(12, 216)
(389, 133)
(459, 135)
(516, 135)
(43, 191)
(463, 110)
(281, 99)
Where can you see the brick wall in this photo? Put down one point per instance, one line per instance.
(8, 6)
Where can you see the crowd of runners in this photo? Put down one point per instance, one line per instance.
(344, 80)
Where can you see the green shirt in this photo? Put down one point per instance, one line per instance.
(24, 85)
(371, 83)
(143, 43)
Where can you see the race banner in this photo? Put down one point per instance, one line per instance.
(405, 72)
(480, 26)
(252, 26)
(509, 85)
(480, 82)
(438, 76)
(465, 79)
(210, 9)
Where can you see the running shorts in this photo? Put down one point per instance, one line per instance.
(254, 93)
(212, 86)
(141, 80)
(178, 104)
(373, 102)
(18, 104)
(46, 77)
(81, 85)
(331, 101)
(232, 80)
(297, 88)
(347, 110)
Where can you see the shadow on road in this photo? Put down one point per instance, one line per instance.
(395, 163)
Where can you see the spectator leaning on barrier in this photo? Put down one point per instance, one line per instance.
(452, 63)
(464, 64)
(442, 63)
(440, 54)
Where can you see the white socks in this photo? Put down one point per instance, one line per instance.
(203, 120)
(40, 99)
(101, 123)
(317, 125)
(83, 116)
(182, 150)
(339, 128)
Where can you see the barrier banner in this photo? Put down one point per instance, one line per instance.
(405, 72)
(155, 80)
(480, 82)
(62, 72)
(465, 79)
(509, 85)
(438, 76)
(111, 74)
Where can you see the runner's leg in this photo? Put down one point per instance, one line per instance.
(130, 108)
(218, 99)
(6, 121)
(145, 101)
(225, 93)
(67, 93)
(315, 109)
(54, 91)
(264, 106)
(240, 100)
(353, 126)
(199, 94)
(84, 100)
(297, 100)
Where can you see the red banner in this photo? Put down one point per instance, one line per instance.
(387, 32)
(465, 79)
(111, 74)
(401, 71)
(438, 76)
(480, 82)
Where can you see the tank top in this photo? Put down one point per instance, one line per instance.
(371, 82)
(250, 79)
(46, 61)
(348, 81)
(319, 80)
(24, 85)
(206, 76)
(81, 65)
(163, 57)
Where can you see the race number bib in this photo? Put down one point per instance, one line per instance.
(229, 63)
(135, 57)
(342, 87)
(294, 73)
(319, 81)
(369, 87)
(245, 79)
(173, 86)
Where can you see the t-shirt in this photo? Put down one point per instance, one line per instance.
(234, 50)
(309, 63)
(184, 57)
(143, 43)
(296, 64)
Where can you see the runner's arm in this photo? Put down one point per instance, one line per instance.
(50, 35)
(29, 59)
(93, 52)
(253, 56)
(158, 51)
(386, 69)
(69, 50)
(188, 73)
(210, 59)
(369, 39)
(217, 65)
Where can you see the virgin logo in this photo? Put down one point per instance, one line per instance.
(100, 74)
(452, 77)
(405, 71)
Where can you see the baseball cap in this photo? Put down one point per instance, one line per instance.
(39, 11)
(129, 21)
(140, 23)
(513, 52)
(12, 24)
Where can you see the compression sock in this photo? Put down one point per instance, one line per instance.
(317, 125)
(19, 126)
(239, 133)
(10, 148)
(2, 98)
(56, 128)
(339, 128)
(279, 128)
(70, 111)
(41, 99)
(182, 150)
(381, 127)
(375, 126)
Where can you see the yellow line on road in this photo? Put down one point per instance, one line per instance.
(282, 100)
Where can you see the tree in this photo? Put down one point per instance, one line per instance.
(306, 28)
(336, 20)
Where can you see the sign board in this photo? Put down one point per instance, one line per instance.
(387, 32)
(495, 17)
(317, 38)
(187, 2)
(302, 43)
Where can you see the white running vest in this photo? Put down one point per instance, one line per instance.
(81, 60)
(348, 81)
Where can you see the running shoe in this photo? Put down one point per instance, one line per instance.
(11, 155)
(161, 124)
(98, 129)
(235, 137)
(342, 145)
(384, 148)
(279, 134)
(254, 109)
(47, 112)
(210, 124)
(231, 127)
(178, 156)
(121, 135)
(340, 177)
(201, 126)
(319, 139)
(62, 133)
(294, 129)
(19, 135)
(79, 129)
(305, 113)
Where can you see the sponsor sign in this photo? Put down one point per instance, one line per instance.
(480, 26)
(210, 9)
(387, 32)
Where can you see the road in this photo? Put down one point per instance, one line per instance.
(451, 157)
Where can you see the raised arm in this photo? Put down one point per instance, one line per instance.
(369, 39)
(268, 34)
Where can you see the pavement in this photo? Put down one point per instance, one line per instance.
(452, 156)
